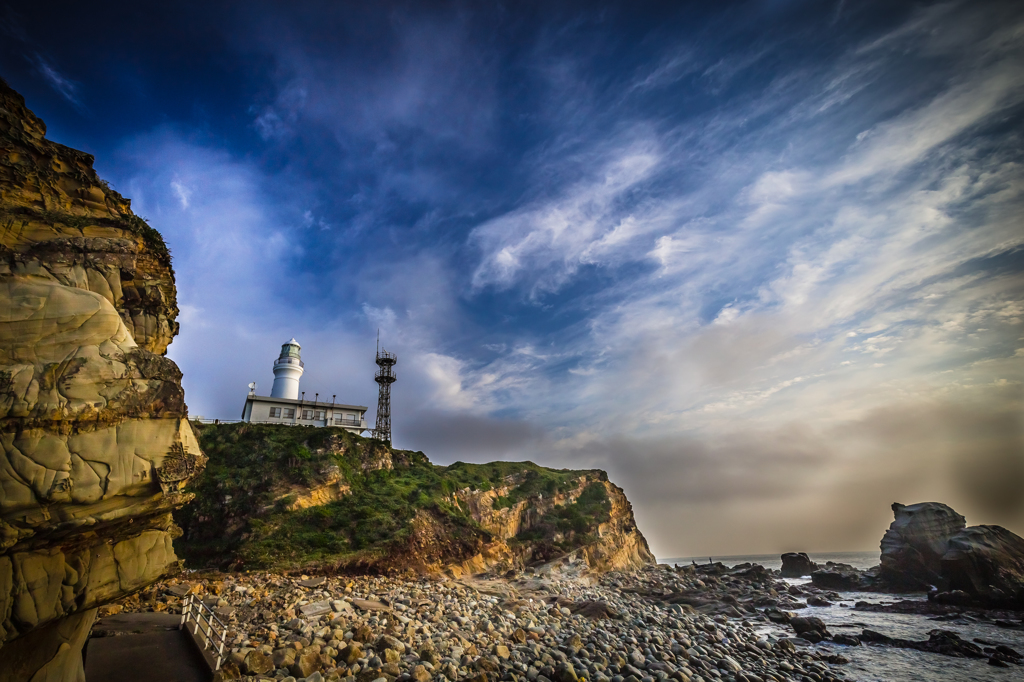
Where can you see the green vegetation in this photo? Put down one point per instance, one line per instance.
(256, 472)
(152, 237)
(75, 222)
(564, 528)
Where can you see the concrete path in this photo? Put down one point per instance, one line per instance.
(147, 646)
(135, 624)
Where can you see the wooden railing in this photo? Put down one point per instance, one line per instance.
(207, 628)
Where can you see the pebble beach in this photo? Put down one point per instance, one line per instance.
(558, 624)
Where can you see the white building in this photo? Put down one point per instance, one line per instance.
(286, 405)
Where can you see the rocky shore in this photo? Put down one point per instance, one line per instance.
(556, 624)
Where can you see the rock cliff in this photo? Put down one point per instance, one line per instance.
(96, 447)
(302, 498)
(615, 543)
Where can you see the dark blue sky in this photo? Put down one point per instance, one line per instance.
(759, 260)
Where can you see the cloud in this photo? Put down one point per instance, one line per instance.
(673, 68)
(182, 192)
(547, 242)
(451, 437)
(771, 284)
(892, 146)
(67, 88)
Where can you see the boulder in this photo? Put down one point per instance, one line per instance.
(283, 658)
(370, 605)
(256, 663)
(986, 563)
(810, 625)
(846, 640)
(317, 608)
(939, 642)
(779, 616)
(389, 642)
(843, 577)
(306, 663)
(350, 654)
(797, 565)
(914, 544)
(595, 610)
(952, 598)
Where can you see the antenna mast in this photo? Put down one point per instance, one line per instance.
(385, 377)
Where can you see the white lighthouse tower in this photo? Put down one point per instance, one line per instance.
(284, 407)
(287, 370)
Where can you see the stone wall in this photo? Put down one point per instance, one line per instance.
(95, 446)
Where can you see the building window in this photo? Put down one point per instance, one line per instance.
(337, 418)
(275, 411)
(289, 413)
(307, 414)
(320, 414)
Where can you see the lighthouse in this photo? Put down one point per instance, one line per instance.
(287, 407)
(287, 370)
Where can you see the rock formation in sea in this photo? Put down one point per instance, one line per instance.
(929, 548)
(304, 498)
(96, 442)
(913, 546)
(797, 565)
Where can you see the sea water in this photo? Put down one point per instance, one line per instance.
(861, 560)
(870, 663)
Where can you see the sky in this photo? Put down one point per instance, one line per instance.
(761, 261)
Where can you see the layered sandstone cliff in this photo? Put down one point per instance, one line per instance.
(96, 447)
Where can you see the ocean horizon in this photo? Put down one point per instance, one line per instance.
(861, 560)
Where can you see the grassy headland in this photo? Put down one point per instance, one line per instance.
(292, 497)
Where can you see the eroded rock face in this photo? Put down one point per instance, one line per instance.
(619, 544)
(94, 442)
(913, 546)
(987, 563)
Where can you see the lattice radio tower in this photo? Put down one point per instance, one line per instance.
(385, 377)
